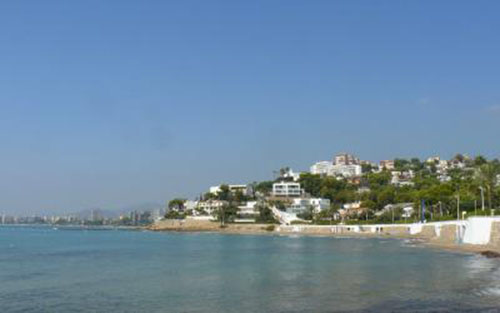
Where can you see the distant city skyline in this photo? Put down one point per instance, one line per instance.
(112, 106)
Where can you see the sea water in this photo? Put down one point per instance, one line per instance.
(43, 269)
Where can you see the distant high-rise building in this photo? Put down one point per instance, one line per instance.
(96, 215)
(346, 159)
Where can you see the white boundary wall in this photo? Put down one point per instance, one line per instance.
(474, 230)
(478, 230)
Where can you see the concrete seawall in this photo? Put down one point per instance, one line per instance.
(474, 234)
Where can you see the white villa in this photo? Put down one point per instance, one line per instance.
(245, 189)
(345, 165)
(210, 206)
(249, 208)
(300, 205)
(287, 189)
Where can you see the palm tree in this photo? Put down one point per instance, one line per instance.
(487, 175)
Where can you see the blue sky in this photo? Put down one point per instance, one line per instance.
(117, 103)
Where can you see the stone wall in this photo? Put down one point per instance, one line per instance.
(184, 225)
(428, 232)
(495, 235)
(395, 231)
(448, 235)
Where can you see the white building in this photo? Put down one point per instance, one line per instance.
(345, 170)
(300, 205)
(321, 168)
(287, 189)
(329, 169)
(291, 174)
(444, 178)
(319, 204)
(249, 208)
(457, 164)
(434, 159)
(442, 167)
(190, 205)
(346, 159)
(386, 164)
(210, 206)
(245, 189)
(402, 178)
(352, 206)
(405, 208)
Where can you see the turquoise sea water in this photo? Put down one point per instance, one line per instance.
(48, 270)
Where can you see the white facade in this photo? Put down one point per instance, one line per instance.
(319, 204)
(434, 159)
(352, 206)
(210, 206)
(321, 168)
(300, 205)
(329, 169)
(442, 167)
(287, 189)
(444, 178)
(386, 164)
(402, 178)
(291, 174)
(457, 164)
(233, 188)
(190, 205)
(345, 170)
(249, 208)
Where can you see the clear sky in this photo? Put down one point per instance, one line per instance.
(108, 104)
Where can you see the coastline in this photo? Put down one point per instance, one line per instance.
(445, 240)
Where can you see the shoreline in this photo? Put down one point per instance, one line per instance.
(445, 240)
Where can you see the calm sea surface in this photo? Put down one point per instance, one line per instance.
(48, 270)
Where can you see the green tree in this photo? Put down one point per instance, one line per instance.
(308, 214)
(386, 196)
(176, 204)
(311, 183)
(344, 196)
(330, 187)
(401, 164)
(264, 187)
(479, 160)
(174, 215)
(366, 168)
(240, 197)
(376, 180)
(487, 177)
(224, 193)
(226, 214)
(416, 164)
(265, 215)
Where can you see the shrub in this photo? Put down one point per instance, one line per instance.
(269, 228)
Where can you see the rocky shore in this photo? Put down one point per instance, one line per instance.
(189, 225)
